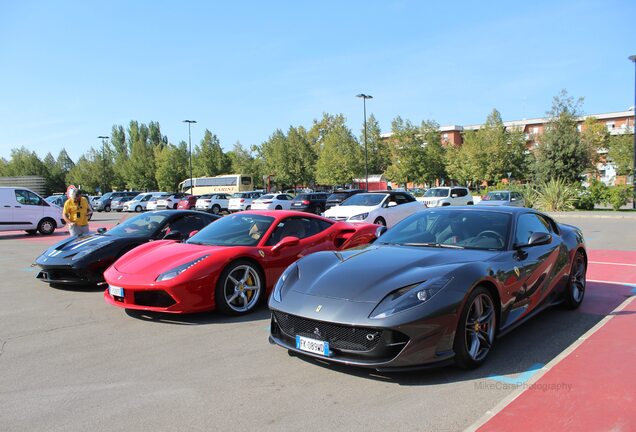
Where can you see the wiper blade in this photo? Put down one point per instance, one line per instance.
(431, 244)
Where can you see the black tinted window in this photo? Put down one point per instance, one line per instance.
(527, 224)
(300, 227)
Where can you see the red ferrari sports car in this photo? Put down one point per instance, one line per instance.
(229, 265)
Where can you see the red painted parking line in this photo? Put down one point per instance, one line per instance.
(591, 385)
(592, 389)
(612, 256)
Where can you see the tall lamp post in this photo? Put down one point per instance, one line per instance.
(189, 122)
(103, 138)
(633, 59)
(366, 160)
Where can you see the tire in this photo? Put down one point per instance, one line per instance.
(107, 208)
(249, 207)
(472, 354)
(380, 221)
(32, 232)
(216, 209)
(174, 207)
(317, 210)
(46, 226)
(230, 295)
(445, 204)
(138, 209)
(575, 291)
(470, 203)
(118, 210)
(278, 207)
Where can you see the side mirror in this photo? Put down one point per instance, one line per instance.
(174, 235)
(537, 239)
(101, 230)
(285, 242)
(391, 204)
(381, 230)
(193, 233)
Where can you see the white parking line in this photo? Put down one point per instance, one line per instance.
(611, 263)
(511, 397)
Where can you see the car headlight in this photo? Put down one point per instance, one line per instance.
(81, 254)
(408, 297)
(278, 288)
(359, 217)
(173, 273)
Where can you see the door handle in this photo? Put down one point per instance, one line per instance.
(7, 206)
(18, 206)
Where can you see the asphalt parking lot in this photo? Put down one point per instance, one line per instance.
(71, 362)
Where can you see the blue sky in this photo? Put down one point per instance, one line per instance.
(70, 70)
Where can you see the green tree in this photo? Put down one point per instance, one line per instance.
(121, 154)
(561, 153)
(433, 161)
(595, 139)
(301, 157)
(87, 172)
(172, 166)
(621, 153)
(321, 128)
(406, 152)
(140, 166)
(24, 162)
(341, 159)
(208, 159)
(378, 151)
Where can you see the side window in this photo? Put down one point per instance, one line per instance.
(187, 224)
(22, 196)
(527, 224)
(146, 198)
(297, 227)
(460, 192)
(34, 199)
(401, 199)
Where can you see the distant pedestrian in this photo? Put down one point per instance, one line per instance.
(76, 212)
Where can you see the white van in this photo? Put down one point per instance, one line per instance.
(23, 209)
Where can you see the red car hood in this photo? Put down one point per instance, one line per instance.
(162, 258)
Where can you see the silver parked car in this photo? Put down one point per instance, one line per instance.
(503, 198)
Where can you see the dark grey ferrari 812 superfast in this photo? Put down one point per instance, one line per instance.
(438, 287)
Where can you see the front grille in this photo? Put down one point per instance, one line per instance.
(338, 218)
(338, 336)
(153, 298)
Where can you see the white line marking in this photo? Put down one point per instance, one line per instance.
(611, 263)
(611, 283)
(536, 377)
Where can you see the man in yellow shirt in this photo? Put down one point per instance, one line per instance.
(76, 212)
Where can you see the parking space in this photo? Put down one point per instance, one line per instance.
(69, 361)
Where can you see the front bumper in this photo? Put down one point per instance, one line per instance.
(187, 297)
(68, 275)
(416, 345)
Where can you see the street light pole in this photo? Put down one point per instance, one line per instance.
(366, 160)
(189, 122)
(633, 59)
(103, 138)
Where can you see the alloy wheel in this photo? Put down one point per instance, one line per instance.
(480, 327)
(242, 288)
(577, 279)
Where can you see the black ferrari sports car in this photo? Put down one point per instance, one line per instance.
(436, 288)
(83, 260)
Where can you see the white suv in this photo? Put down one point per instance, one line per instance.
(23, 209)
(215, 202)
(243, 200)
(446, 196)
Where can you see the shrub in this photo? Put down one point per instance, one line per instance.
(556, 195)
(585, 201)
(618, 196)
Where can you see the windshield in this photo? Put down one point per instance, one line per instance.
(105, 196)
(364, 199)
(138, 197)
(234, 230)
(437, 193)
(266, 197)
(143, 225)
(451, 228)
(301, 197)
(497, 196)
(51, 198)
(238, 195)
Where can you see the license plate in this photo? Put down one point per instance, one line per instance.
(297, 204)
(312, 345)
(115, 291)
